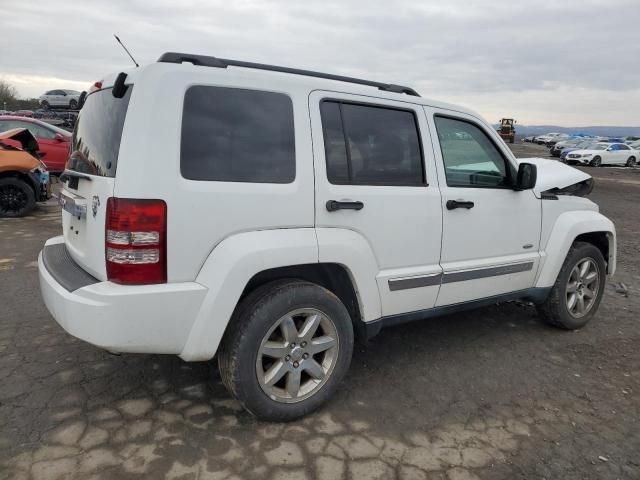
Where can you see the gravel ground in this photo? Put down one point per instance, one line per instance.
(489, 394)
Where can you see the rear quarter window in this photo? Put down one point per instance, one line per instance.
(237, 135)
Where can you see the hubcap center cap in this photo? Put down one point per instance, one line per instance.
(296, 354)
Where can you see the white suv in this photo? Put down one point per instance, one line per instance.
(271, 215)
(60, 98)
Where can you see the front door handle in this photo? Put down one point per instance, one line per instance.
(333, 205)
(453, 204)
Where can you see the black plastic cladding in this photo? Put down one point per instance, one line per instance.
(206, 61)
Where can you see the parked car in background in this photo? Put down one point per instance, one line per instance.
(529, 138)
(560, 138)
(584, 145)
(60, 98)
(54, 142)
(24, 179)
(543, 139)
(23, 113)
(604, 154)
(635, 145)
(557, 147)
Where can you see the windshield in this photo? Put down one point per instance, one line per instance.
(55, 129)
(96, 137)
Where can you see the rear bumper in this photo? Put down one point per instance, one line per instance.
(119, 318)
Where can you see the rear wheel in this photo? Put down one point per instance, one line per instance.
(576, 295)
(45, 105)
(16, 197)
(286, 349)
(596, 162)
(73, 104)
(631, 162)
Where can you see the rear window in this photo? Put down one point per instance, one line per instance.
(96, 136)
(237, 135)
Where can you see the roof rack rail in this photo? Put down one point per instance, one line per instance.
(207, 61)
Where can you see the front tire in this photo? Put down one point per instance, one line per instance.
(16, 197)
(73, 104)
(578, 290)
(596, 162)
(286, 349)
(631, 162)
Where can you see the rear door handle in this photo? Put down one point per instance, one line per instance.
(453, 204)
(333, 205)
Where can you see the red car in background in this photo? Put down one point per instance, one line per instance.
(54, 142)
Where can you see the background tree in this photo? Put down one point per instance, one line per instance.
(8, 93)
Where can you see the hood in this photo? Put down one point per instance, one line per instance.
(22, 135)
(554, 175)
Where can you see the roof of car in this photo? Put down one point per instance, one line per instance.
(326, 82)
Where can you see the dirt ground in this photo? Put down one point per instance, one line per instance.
(488, 394)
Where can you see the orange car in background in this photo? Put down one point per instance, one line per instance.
(24, 179)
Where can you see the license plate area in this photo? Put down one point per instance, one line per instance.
(76, 206)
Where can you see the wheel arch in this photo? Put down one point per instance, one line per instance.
(242, 262)
(335, 277)
(570, 227)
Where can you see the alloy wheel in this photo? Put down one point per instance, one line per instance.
(12, 199)
(582, 287)
(297, 355)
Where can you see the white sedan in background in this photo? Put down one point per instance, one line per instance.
(604, 154)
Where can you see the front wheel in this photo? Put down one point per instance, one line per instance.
(16, 197)
(288, 346)
(576, 295)
(596, 162)
(631, 162)
(73, 104)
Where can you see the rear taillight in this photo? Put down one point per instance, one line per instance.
(136, 241)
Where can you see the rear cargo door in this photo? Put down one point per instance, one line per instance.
(89, 178)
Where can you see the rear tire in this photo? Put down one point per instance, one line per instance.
(45, 105)
(266, 359)
(596, 162)
(16, 197)
(631, 162)
(571, 289)
(73, 104)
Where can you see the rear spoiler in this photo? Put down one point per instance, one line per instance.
(22, 135)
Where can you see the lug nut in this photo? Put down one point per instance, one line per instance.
(292, 345)
(287, 358)
(305, 356)
(303, 344)
(295, 364)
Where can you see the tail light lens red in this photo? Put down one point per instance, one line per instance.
(136, 241)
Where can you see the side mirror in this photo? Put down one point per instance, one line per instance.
(527, 176)
(60, 138)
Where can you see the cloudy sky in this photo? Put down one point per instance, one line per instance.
(564, 62)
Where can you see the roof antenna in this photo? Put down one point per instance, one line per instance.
(125, 49)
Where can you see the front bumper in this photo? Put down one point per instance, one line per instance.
(42, 183)
(118, 318)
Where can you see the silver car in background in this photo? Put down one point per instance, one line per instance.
(60, 98)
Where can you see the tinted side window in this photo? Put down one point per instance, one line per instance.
(370, 145)
(470, 158)
(236, 135)
(623, 147)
